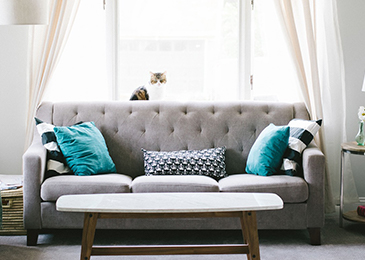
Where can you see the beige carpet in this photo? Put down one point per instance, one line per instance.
(337, 243)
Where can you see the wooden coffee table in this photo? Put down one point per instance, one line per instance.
(171, 205)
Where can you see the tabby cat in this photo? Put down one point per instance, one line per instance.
(153, 90)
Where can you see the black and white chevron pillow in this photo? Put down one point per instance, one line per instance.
(302, 133)
(56, 163)
(208, 162)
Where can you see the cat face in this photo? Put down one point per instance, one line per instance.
(158, 78)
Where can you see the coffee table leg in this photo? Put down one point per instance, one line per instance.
(88, 234)
(250, 234)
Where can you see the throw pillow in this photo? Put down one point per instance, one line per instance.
(302, 133)
(265, 156)
(208, 162)
(84, 148)
(56, 164)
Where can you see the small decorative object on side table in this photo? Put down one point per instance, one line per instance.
(360, 137)
(361, 210)
(12, 205)
(350, 148)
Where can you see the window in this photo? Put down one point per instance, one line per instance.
(195, 42)
(209, 48)
(205, 47)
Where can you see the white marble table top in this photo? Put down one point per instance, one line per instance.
(169, 202)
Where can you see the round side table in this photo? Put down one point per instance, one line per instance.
(350, 148)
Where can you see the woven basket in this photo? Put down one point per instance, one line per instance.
(12, 222)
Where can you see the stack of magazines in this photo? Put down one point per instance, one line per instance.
(11, 182)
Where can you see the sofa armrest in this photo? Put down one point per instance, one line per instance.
(314, 175)
(34, 163)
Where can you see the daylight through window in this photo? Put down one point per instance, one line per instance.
(209, 49)
(195, 42)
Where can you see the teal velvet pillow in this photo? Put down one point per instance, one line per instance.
(266, 154)
(84, 149)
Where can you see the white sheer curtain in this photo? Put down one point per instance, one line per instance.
(45, 48)
(313, 38)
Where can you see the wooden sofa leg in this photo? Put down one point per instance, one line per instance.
(315, 236)
(32, 237)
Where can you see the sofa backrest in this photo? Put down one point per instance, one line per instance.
(128, 126)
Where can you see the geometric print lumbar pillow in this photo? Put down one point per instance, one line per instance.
(207, 162)
(302, 133)
(56, 163)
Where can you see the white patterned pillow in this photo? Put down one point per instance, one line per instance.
(302, 133)
(208, 162)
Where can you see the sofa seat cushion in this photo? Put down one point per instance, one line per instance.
(290, 189)
(174, 183)
(54, 187)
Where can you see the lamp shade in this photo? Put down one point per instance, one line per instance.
(18, 12)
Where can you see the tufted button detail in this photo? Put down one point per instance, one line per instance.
(227, 129)
(254, 132)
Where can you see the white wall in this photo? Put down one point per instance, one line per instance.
(13, 76)
(352, 27)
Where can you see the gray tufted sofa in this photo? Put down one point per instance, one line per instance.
(169, 126)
